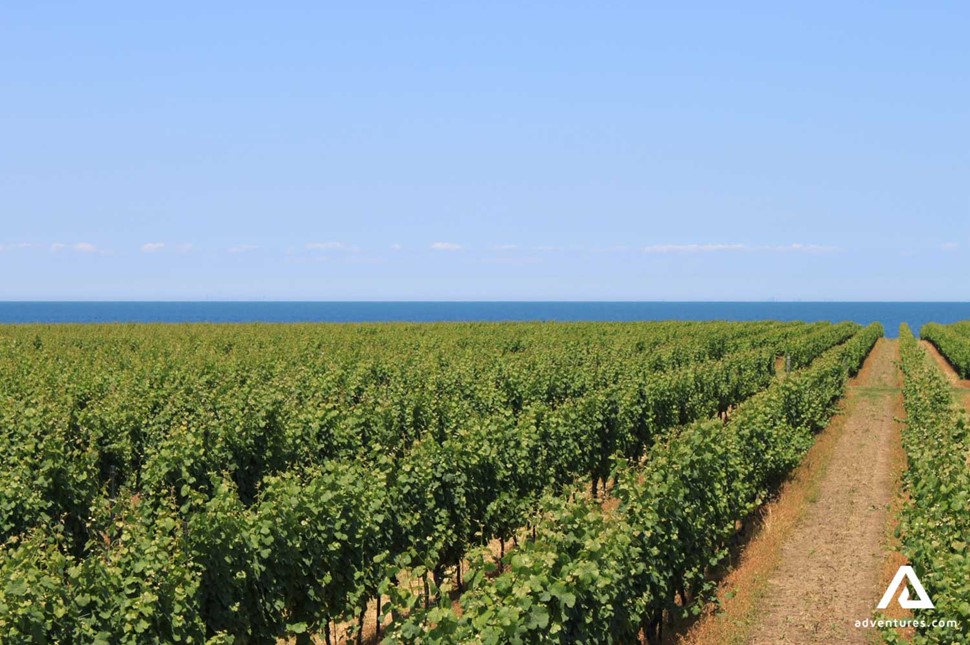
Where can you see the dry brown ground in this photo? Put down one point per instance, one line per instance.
(817, 563)
(830, 569)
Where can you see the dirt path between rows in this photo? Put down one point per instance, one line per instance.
(830, 566)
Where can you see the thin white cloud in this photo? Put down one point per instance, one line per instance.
(185, 247)
(12, 247)
(715, 248)
(446, 246)
(330, 246)
(80, 247)
(242, 248)
(693, 248)
(504, 247)
(396, 247)
(950, 246)
(151, 247)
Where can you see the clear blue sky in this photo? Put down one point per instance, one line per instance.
(606, 151)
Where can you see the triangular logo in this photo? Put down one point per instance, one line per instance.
(906, 572)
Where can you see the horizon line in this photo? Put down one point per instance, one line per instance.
(471, 301)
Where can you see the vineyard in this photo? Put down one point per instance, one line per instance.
(515, 482)
(953, 341)
(935, 524)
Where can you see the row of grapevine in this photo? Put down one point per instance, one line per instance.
(178, 487)
(952, 343)
(151, 438)
(157, 425)
(154, 413)
(935, 523)
(961, 327)
(601, 574)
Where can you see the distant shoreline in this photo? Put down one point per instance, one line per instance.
(890, 314)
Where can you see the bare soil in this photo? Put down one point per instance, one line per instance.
(817, 562)
(830, 568)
